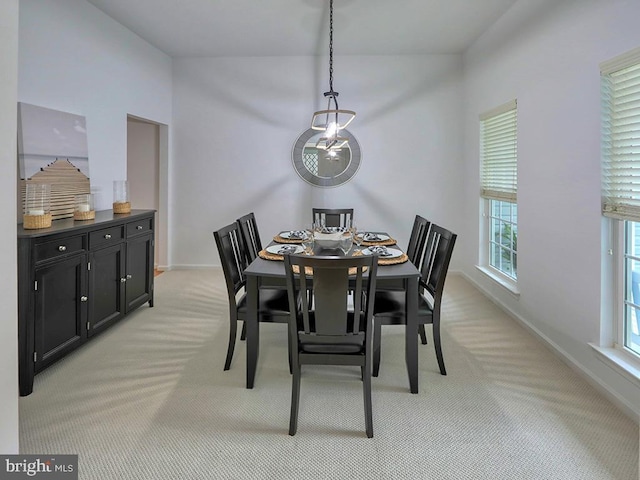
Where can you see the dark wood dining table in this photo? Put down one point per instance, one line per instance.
(265, 273)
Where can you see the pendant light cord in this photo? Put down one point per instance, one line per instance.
(333, 96)
(331, 46)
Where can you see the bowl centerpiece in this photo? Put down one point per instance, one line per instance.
(329, 237)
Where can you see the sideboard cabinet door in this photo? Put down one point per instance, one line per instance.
(106, 304)
(139, 284)
(60, 309)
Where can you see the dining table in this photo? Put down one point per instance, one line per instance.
(265, 273)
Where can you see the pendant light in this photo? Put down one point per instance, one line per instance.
(331, 120)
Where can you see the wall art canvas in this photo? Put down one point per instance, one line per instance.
(52, 148)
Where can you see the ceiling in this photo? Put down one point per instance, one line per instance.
(300, 27)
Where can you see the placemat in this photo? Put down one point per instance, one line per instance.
(280, 239)
(389, 241)
(308, 270)
(270, 256)
(387, 261)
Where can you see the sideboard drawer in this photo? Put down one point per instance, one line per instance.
(57, 248)
(144, 225)
(106, 236)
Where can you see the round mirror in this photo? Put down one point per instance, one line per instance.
(322, 168)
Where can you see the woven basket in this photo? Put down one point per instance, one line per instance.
(122, 207)
(90, 215)
(30, 222)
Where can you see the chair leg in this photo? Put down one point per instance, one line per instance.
(233, 328)
(243, 334)
(368, 408)
(377, 334)
(295, 401)
(423, 334)
(436, 342)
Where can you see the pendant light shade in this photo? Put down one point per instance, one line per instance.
(333, 119)
(331, 143)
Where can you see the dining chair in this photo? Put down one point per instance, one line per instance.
(253, 245)
(333, 217)
(250, 235)
(273, 304)
(389, 306)
(417, 240)
(331, 333)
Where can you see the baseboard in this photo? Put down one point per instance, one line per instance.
(553, 347)
(186, 266)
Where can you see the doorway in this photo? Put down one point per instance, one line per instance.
(146, 168)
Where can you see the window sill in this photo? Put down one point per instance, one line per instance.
(622, 362)
(501, 280)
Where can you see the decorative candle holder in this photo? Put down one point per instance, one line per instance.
(121, 203)
(37, 206)
(83, 209)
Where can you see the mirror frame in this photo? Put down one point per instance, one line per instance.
(316, 181)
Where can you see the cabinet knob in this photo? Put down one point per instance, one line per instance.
(83, 298)
(62, 248)
(139, 227)
(123, 279)
(128, 277)
(107, 236)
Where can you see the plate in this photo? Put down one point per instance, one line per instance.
(275, 249)
(392, 253)
(381, 237)
(288, 236)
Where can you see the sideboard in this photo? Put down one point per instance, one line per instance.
(77, 278)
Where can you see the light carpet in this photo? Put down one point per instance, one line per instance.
(148, 399)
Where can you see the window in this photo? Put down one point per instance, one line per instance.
(630, 331)
(620, 85)
(499, 188)
(503, 237)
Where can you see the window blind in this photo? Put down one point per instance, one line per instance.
(620, 89)
(499, 153)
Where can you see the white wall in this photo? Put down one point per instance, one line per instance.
(8, 252)
(546, 54)
(236, 120)
(76, 59)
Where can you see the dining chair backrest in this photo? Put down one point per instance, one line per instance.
(250, 236)
(333, 217)
(233, 258)
(328, 278)
(435, 263)
(417, 240)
